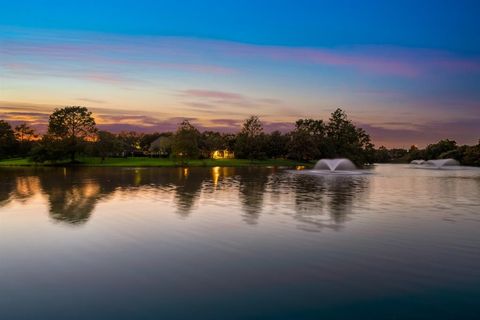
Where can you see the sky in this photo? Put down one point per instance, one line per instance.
(408, 72)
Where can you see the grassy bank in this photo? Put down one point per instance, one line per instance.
(155, 162)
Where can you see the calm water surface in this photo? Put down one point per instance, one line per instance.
(231, 243)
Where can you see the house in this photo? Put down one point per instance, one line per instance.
(222, 154)
(161, 146)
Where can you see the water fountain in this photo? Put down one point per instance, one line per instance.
(440, 163)
(332, 167)
(335, 165)
(418, 161)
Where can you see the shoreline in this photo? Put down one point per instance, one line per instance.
(155, 162)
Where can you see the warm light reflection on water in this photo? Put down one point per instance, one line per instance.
(238, 243)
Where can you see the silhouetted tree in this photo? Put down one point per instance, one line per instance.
(250, 141)
(344, 139)
(130, 141)
(307, 141)
(71, 125)
(382, 155)
(107, 144)
(276, 145)
(8, 144)
(185, 142)
(50, 148)
(470, 155)
(438, 150)
(25, 137)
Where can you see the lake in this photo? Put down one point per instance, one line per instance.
(239, 243)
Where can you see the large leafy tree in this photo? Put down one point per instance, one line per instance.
(344, 139)
(307, 141)
(185, 142)
(8, 142)
(250, 140)
(72, 126)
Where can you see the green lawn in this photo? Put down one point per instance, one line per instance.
(157, 162)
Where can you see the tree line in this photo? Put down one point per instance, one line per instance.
(72, 131)
(443, 149)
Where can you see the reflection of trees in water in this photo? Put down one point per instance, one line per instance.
(188, 187)
(275, 187)
(17, 186)
(73, 193)
(7, 187)
(327, 201)
(252, 186)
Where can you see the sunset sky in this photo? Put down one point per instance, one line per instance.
(408, 72)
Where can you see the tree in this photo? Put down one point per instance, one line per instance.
(395, 155)
(344, 139)
(470, 155)
(276, 145)
(8, 144)
(72, 125)
(382, 155)
(107, 144)
(50, 148)
(25, 137)
(437, 150)
(249, 142)
(209, 142)
(185, 142)
(307, 141)
(130, 142)
(24, 133)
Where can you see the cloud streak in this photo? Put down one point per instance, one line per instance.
(194, 55)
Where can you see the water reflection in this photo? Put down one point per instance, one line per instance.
(187, 188)
(162, 242)
(17, 186)
(326, 201)
(72, 194)
(251, 191)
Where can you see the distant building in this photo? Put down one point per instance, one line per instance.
(161, 146)
(222, 154)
